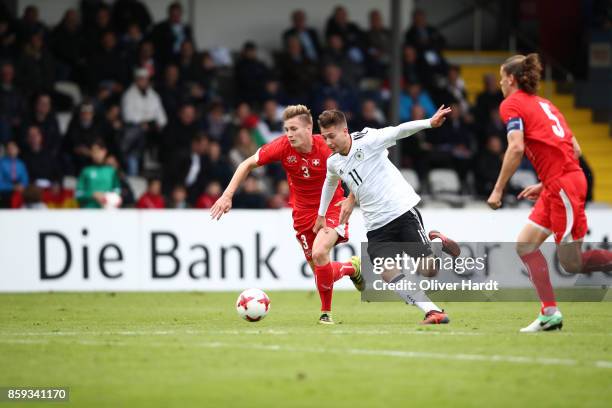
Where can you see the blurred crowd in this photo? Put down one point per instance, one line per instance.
(155, 105)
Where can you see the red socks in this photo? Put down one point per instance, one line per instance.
(326, 275)
(596, 260)
(538, 272)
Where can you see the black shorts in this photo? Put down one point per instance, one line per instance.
(405, 234)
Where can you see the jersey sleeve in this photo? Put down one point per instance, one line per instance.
(271, 152)
(386, 137)
(510, 113)
(329, 188)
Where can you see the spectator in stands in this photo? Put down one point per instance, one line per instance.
(29, 24)
(453, 145)
(336, 53)
(169, 35)
(333, 87)
(127, 194)
(66, 44)
(488, 99)
(144, 117)
(218, 167)
(178, 198)
(130, 41)
(82, 131)
(274, 90)
(378, 41)
(351, 34)
(180, 131)
(44, 118)
(186, 61)
(217, 125)
(152, 198)
(494, 126)
(487, 166)
(127, 12)
(297, 71)
(112, 128)
(270, 126)
(42, 168)
(144, 59)
(59, 197)
(416, 150)
(251, 195)
(251, 73)
(8, 39)
(12, 104)
(454, 90)
(422, 35)
(428, 42)
(280, 198)
(171, 91)
(204, 74)
(415, 95)
(244, 147)
(107, 66)
(369, 116)
(96, 181)
(31, 198)
(93, 32)
(413, 69)
(188, 168)
(36, 66)
(307, 36)
(243, 117)
(13, 175)
(211, 195)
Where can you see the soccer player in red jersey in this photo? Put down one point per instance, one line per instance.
(304, 158)
(537, 128)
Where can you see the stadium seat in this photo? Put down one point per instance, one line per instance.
(412, 178)
(523, 178)
(63, 119)
(444, 181)
(71, 89)
(138, 184)
(70, 183)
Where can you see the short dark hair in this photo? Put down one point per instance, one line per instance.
(331, 118)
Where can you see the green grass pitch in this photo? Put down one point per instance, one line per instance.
(191, 349)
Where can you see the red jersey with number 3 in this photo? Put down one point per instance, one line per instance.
(305, 174)
(548, 138)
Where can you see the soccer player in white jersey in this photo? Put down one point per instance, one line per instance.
(387, 201)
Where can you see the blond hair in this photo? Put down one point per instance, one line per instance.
(300, 111)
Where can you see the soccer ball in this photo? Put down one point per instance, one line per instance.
(253, 305)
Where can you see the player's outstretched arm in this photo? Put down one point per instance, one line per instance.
(224, 203)
(393, 133)
(512, 160)
(439, 117)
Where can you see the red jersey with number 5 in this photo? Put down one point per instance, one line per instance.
(305, 174)
(548, 138)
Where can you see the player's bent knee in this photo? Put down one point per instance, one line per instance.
(320, 256)
(523, 248)
(428, 272)
(572, 266)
